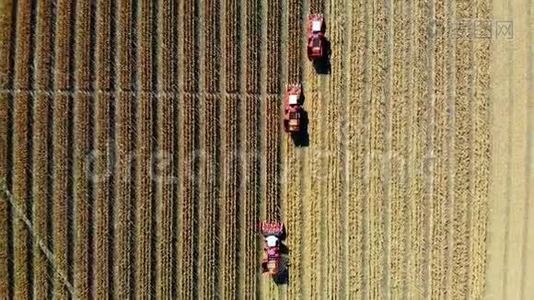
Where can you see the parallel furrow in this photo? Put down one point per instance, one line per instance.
(144, 189)
(22, 131)
(250, 114)
(7, 36)
(209, 194)
(124, 145)
(230, 205)
(41, 142)
(189, 236)
(166, 179)
(83, 283)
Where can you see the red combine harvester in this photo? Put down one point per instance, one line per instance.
(316, 40)
(273, 234)
(293, 108)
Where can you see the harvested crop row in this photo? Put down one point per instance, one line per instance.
(212, 47)
(232, 40)
(83, 137)
(41, 146)
(481, 157)
(253, 57)
(189, 173)
(144, 188)
(124, 146)
(356, 147)
(230, 195)
(7, 29)
(440, 195)
(273, 47)
(22, 132)
(463, 159)
(165, 176)
(377, 205)
(209, 193)
(249, 210)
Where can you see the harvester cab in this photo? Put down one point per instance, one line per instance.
(273, 234)
(293, 108)
(316, 42)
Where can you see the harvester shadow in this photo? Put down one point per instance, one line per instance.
(322, 66)
(302, 138)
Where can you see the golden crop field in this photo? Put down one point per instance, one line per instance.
(141, 144)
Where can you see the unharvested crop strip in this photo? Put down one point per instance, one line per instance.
(378, 201)
(83, 136)
(41, 142)
(272, 130)
(190, 196)
(212, 18)
(462, 174)
(22, 132)
(253, 70)
(191, 47)
(439, 203)
(144, 152)
(419, 213)
(124, 146)
(209, 193)
(165, 179)
(481, 153)
(7, 50)
(232, 39)
(250, 207)
(103, 150)
(294, 41)
(398, 158)
(273, 47)
(229, 215)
